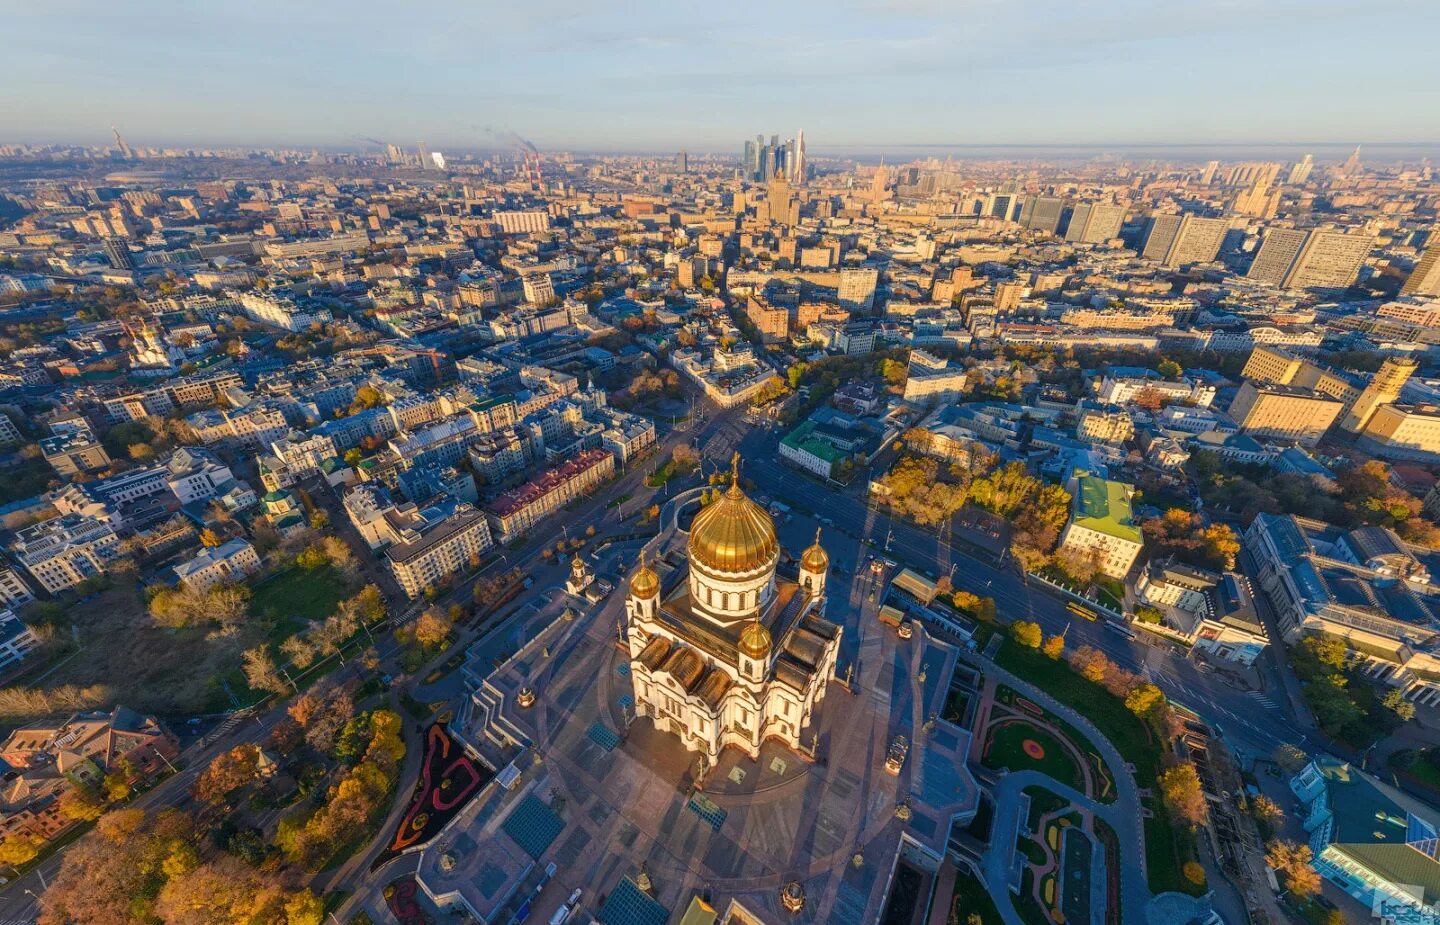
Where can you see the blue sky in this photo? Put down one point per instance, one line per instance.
(665, 75)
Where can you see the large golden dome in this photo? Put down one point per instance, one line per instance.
(733, 534)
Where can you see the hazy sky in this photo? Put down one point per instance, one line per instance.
(664, 75)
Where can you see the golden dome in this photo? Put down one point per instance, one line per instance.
(733, 534)
(815, 559)
(755, 640)
(644, 582)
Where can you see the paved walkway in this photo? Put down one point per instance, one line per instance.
(1123, 815)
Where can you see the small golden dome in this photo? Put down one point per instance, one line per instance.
(815, 559)
(644, 582)
(755, 640)
(733, 534)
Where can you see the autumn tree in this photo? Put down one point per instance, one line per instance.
(1265, 809)
(226, 773)
(1145, 700)
(20, 848)
(299, 651)
(1054, 646)
(1293, 862)
(209, 538)
(1026, 633)
(432, 628)
(260, 671)
(1183, 796)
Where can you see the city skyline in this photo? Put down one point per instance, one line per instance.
(859, 77)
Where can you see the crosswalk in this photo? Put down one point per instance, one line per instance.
(1266, 701)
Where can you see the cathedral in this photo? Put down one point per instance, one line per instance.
(734, 654)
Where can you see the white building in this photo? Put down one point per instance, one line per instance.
(230, 562)
(735, 654)
(1101, 524)
(62, 552)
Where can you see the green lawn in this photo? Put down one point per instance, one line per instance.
(1007, 750)
(1166, 847)
(296, 596)
(971, 897)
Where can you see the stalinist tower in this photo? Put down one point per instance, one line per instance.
(735, 654)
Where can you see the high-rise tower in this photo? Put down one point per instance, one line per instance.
(1383, 389)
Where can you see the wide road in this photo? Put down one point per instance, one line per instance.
(1252, 722)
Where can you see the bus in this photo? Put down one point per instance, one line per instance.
(1081, 611)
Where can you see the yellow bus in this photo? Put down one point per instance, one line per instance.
(1079, 610)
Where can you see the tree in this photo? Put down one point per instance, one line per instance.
(1293, 861)
(1395, 702)
(81, 804)
(1265, 809)
(260, 672)
(1148, 614)
(209, 539)
(432, 629)
(300, 652)
(1181, 791)
(1194, 872)
(1145, 701)
(1169, 369)
(1092, 664)
(1290, 758)
(228, 772)
(1027, 633)
(312, 557)
(20, 848)
(1054, 647)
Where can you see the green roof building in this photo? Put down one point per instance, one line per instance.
(1373, 841)
(1102, 525)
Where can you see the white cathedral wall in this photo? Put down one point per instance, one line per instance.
(729, 599)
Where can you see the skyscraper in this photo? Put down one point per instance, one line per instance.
(1095, 222)
(683, 161)
(1177, 240)
(797, 170)
(118, 253)
(1383, 389)
(1352, 163)
(1301, 171)
(1042, 213)
(1425, 278)
(1331, 259)
(1277, 253)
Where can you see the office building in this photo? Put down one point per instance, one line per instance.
(1095, 222)
(1283, 412)
(1102, 526)
(228, 563)
(857, 288)
(1042, 213)
(64, 551)
(1384, 389)
(1425, 278)
(1403, 432)
(1278, 249)
(514, 513)
(430, 552)
(1329, 260)
(531, 221)
(1178, 240)
(1300, 173)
